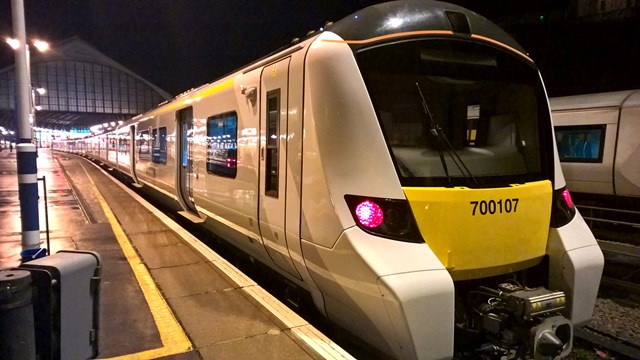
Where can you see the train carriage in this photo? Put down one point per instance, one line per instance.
(400, 166)
(598, 143)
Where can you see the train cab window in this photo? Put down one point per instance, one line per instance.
(459, 113)
(580, 143)
(273, 134)
(222, 144)
(159, 150)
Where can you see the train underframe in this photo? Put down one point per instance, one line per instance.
(513, 316)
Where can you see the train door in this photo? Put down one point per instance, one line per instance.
(133, 148)
(184, 164)
(273, 162)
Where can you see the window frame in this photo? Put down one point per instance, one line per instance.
(576, 128)
(272, 156)
(384, 58)
(159, 137)
(216, 169)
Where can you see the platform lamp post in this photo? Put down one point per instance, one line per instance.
(43, 47)
(25, 149)
(32, 116)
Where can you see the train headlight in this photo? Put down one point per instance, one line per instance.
(369, 214)
(567, 198)
(390, 218)
(563, 208)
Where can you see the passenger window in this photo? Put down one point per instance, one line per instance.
(123, 144)
(583, 143)
(222, 153)
(273, 134)
(143, 146)
(159, 137)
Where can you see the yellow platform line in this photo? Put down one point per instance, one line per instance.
(174, 340)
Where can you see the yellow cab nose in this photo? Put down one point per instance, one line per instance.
(484, 232)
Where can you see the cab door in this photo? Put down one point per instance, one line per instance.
(273, 163)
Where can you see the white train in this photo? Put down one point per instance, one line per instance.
(599, 143)
(398, 165)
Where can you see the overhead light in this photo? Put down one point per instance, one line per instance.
(14, 43)
(42, 46)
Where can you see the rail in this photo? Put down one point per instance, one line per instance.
(616, 348)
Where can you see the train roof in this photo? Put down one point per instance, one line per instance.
(403, 16)
(626, 98)
(406, 16)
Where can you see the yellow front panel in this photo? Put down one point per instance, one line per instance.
(484, 232)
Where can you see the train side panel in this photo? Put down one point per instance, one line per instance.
(229, 203)
(606, 125)
(627, 164)
(143, 148)
(157, 167)
(123, 150)
(361, 276)
(594, 177)
(575, 266)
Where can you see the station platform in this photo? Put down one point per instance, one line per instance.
(163, 293)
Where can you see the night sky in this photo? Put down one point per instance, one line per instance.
(181, 44)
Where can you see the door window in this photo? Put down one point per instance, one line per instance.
(273, 134)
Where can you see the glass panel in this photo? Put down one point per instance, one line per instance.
(123, 145)
(185, 144)
(458, 113)
(143, 146)
(222, 135)
(159, 136)
(273, 134)
(580, 143)
(162, 135)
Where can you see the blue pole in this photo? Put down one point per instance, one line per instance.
(26, 152)
(28, 192)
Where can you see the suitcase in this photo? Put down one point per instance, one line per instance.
(66, 304)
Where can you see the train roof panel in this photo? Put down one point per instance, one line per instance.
(417, 15)
(627, 98)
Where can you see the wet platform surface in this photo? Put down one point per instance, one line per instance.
(163, 294)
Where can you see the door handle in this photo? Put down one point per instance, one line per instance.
(262, 153)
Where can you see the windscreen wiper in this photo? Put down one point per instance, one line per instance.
(443, 141)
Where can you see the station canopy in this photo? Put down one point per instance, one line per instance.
(83, 88)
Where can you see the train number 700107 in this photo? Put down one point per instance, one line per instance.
(494, 207)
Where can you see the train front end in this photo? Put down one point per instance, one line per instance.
(509, 266)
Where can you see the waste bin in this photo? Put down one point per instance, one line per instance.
(67, 307)
(17, 332)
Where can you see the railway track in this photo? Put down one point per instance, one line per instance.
(612, 223)
(618, 227)
(606, 337)
(622, 266)
(611, 335)
(590, 343)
